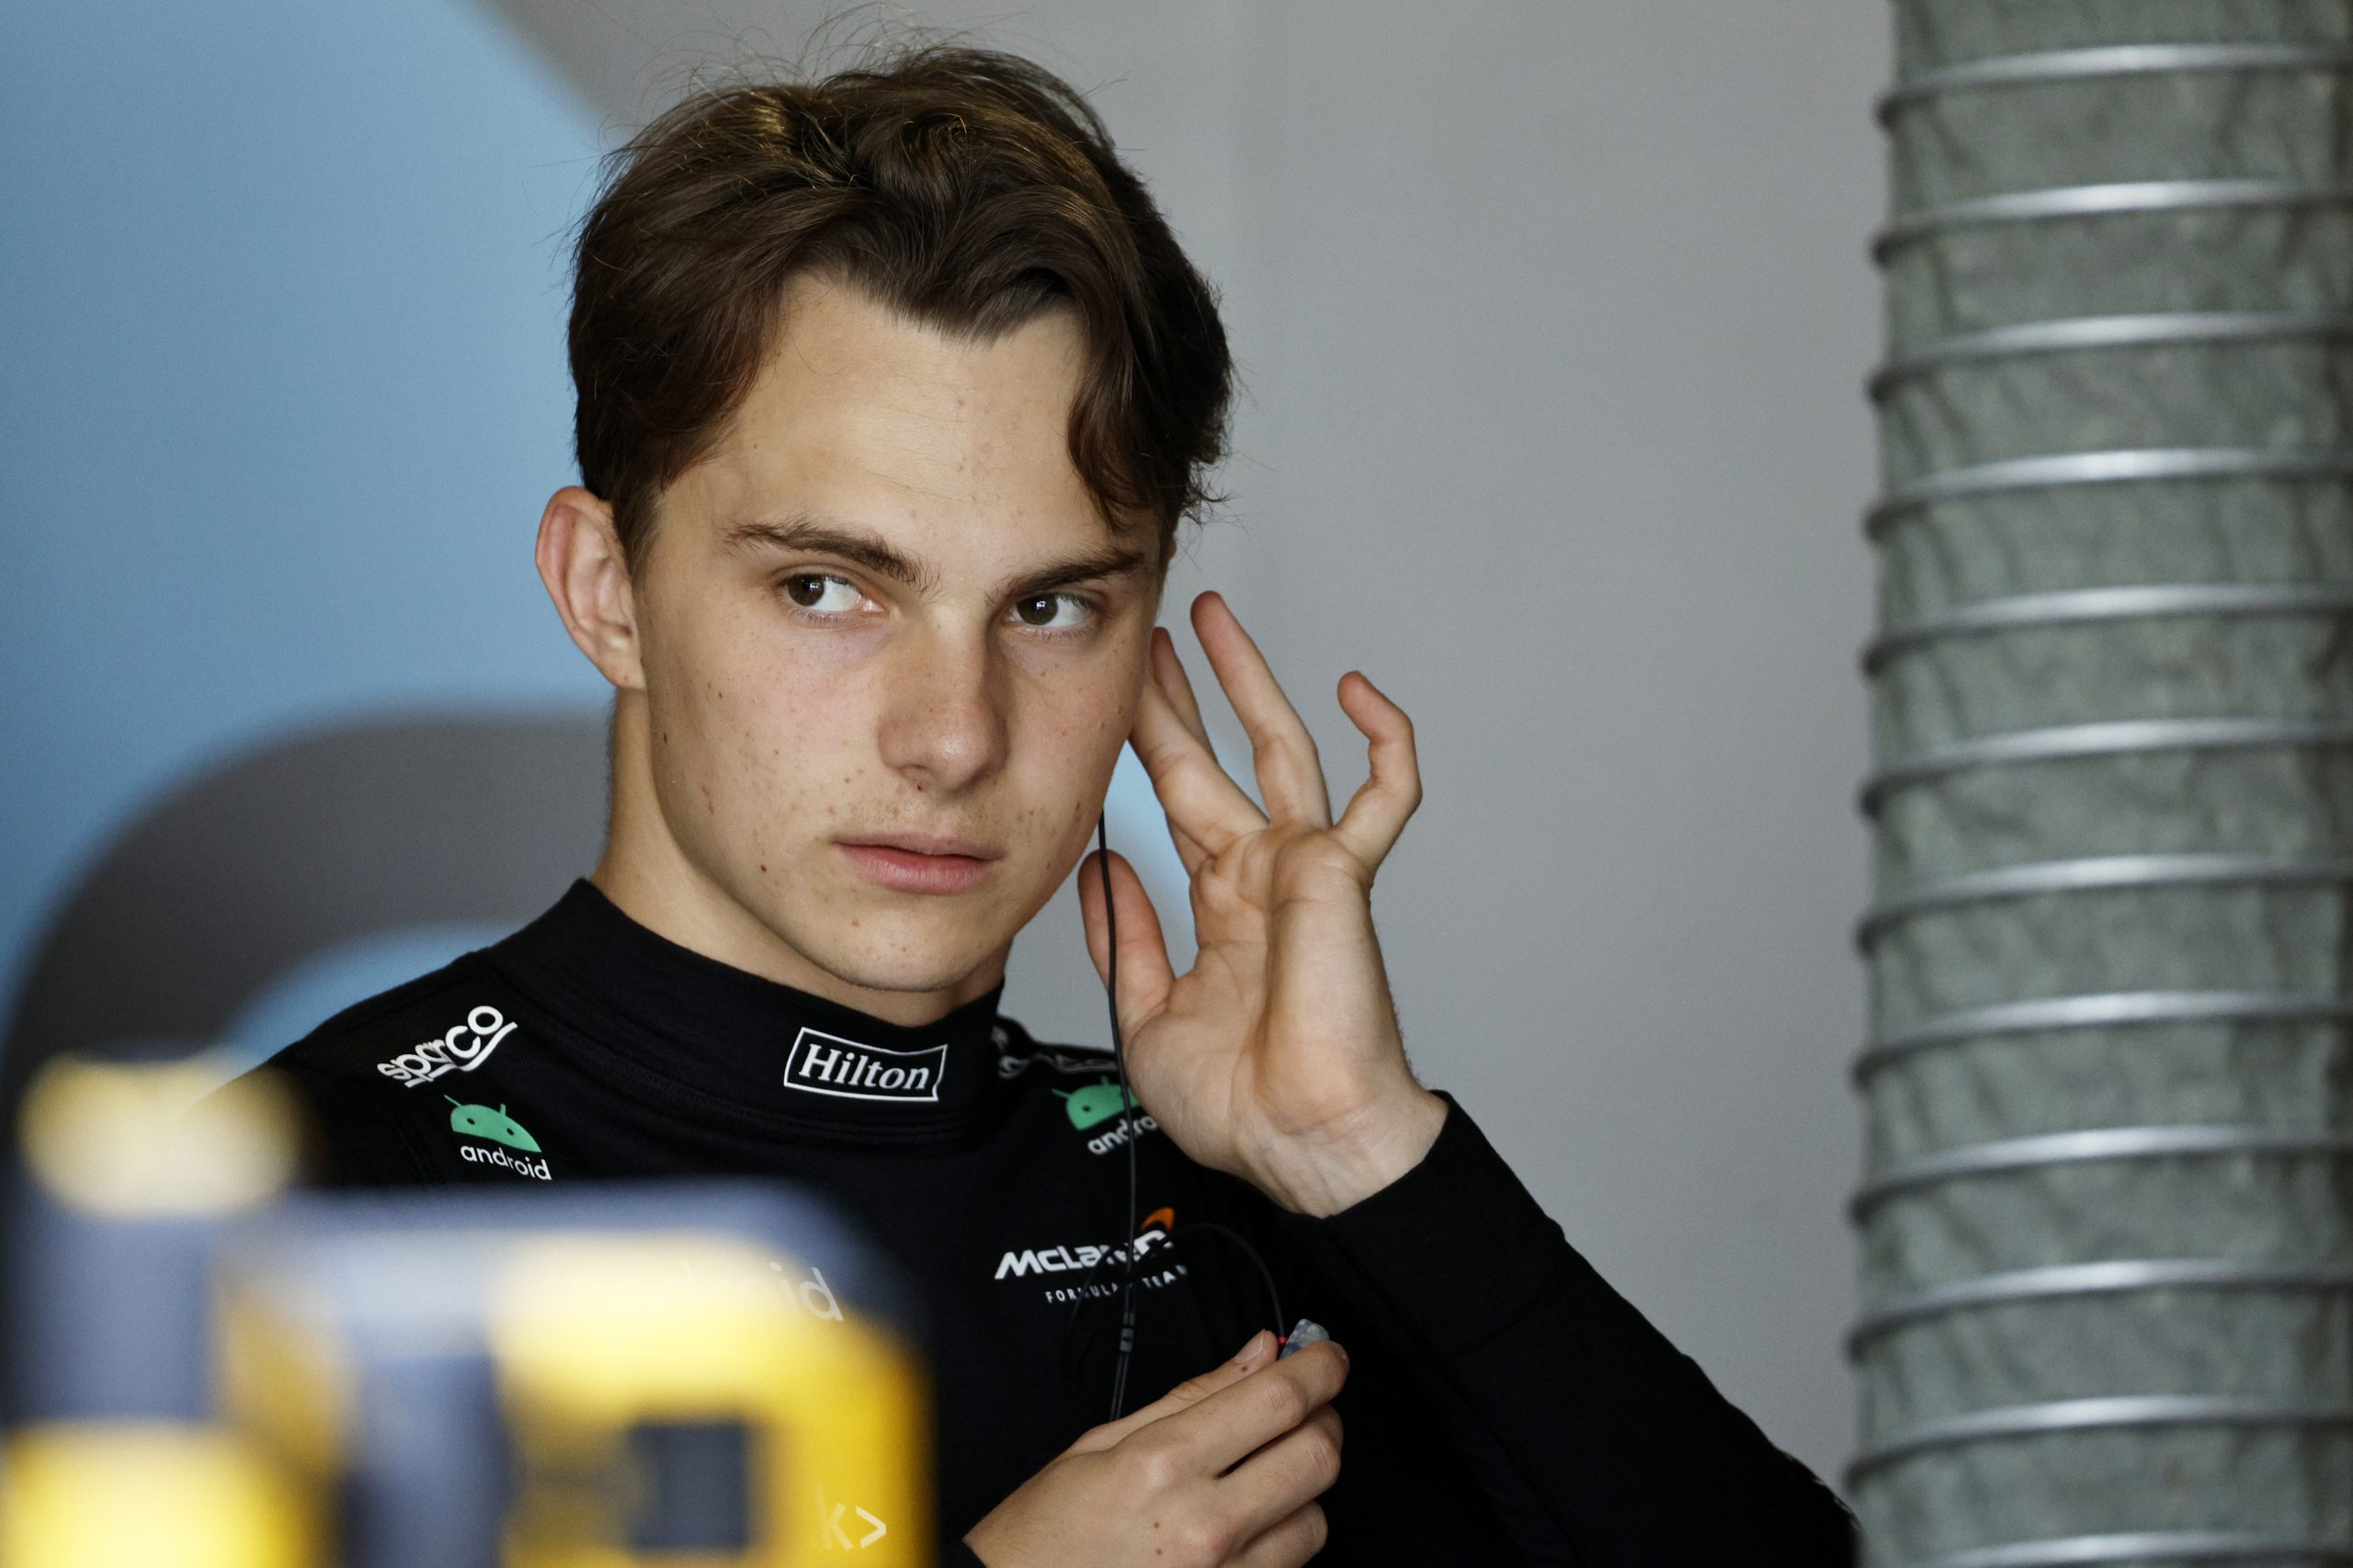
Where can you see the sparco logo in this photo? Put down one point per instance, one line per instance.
(464, 1048)
(822, 1063)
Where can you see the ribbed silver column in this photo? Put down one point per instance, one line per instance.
(2108, 1219)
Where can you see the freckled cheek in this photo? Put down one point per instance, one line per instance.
(1073, 746)
(794, 717)
(779, 734)
(1074, 723)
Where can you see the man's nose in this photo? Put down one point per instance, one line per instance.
(943, 724)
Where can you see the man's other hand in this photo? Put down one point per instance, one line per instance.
(1220, 1473)
(1277, 1057)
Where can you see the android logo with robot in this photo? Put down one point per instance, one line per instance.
(480, 1121)
(1094, 1103)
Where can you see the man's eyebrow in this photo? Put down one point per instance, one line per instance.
(802, 531)
(806, 532)
(1105, 561)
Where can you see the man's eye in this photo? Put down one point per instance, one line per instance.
(1052, 612)
(822, 592)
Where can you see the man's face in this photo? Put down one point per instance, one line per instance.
(886, 611)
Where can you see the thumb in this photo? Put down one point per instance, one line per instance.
(1145, 974)
(1258, 1352)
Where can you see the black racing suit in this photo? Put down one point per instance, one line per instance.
(1505, 1405)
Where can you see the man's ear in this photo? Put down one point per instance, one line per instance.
(583, 568)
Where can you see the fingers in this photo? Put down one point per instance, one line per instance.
(1126, 1485)
(1207, 810)
(1377, 813)
(1200, 799)
(1290, 775)
(1146, 973)
(1274, 1483)
(1168, 669)
(1256, 1352)
(1229, 1460)
(1168, 674)
(1237, 1420)
(1287, 1544)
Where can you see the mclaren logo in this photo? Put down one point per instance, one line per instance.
(1151, 1233)
(822, 1063)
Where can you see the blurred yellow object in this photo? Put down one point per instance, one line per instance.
(597, 1339)
(144, 1139)
(280, 1379)
(146, 1494)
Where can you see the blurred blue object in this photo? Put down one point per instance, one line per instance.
(281, 297)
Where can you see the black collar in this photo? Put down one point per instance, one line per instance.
(743, 1049)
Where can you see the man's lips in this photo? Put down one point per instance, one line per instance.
(921, 862)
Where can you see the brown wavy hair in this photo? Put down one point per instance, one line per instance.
(967, 189)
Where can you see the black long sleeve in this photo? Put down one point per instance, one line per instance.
(1597, 1441)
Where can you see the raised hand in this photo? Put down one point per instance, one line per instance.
(1276, 1056)
(1223, 1471)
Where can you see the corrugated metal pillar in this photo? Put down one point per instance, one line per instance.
(2106, 1256)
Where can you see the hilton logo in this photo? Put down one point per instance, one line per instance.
(828, 1064)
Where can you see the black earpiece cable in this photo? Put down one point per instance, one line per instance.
(1128, 1109)
(1127, 1118)
(1079, 1297)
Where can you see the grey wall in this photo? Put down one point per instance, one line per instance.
(1552, 320)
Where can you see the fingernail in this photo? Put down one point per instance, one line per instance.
(1304, 1333)
(1252, 1350)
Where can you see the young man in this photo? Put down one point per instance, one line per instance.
(893, 389)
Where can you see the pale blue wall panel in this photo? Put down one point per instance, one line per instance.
(281, 309)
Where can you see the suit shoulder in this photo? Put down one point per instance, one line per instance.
(450, 1020)
(1020, 1055)
(452, 1016)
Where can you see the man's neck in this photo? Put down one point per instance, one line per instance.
(705, 920)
